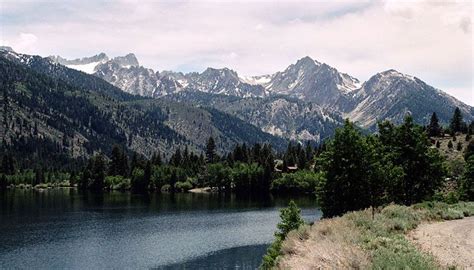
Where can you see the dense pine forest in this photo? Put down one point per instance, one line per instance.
(404, 164)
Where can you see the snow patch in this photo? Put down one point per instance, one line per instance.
(86, 68)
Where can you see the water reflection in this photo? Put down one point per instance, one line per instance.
(63, 228)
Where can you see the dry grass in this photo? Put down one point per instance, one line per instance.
(328, 244)
(358, 241)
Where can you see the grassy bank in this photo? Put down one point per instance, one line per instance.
(360, 240)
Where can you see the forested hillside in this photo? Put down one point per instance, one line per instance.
(59, 114)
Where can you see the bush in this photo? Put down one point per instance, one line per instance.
(300, 181)
(166, 188)
(183, 186)
(290, 220)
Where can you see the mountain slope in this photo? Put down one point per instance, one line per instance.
(79, 114)
(282, 116)
(312, 81)
(390, 95)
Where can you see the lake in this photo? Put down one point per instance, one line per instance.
(64, 228)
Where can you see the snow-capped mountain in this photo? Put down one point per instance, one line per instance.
(390, 95)
(310, 80)
(387, 95)
(86, 64)
(143, 81)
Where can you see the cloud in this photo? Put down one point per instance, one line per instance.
(431, 40)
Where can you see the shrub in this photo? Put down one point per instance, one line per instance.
(183, 186)
(300, 181)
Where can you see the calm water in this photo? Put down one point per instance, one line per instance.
(66, 229)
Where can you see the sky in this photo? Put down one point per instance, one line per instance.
(431, 40)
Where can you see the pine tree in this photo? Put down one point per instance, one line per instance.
(450, 144)
(459, 146)
(98, 173)
(438, 144)
(456, 124)
(211, 155)
(467, 181)
(290, 220)
(433, 128)
(469, 150)
(345, 164)
(116, 162)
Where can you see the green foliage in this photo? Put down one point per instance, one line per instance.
(397, 165)
(459, 146)
(302, 181)
(139, 181)
(117, 182)
(469, 150)
(290, 220)
(211, 155)
(183, 186)
(434, 129)
(467, 182)
(350, 173)
(457, 124)
(220, 176)
(246, 176)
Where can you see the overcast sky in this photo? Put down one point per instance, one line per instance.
(428, 39)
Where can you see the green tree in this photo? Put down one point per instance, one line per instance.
(220, 176)
(434, 128)
(450, 144)
(407, 146)
(290, 220)
(116, 161)
(98, 173)
(469, 150)
(344, 164)
(467, 183)
(456, 123)
(459, 146)
(211, 155)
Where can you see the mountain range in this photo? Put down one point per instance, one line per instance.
(77, 107)
(388, 95)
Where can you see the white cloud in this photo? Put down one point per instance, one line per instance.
(431, 40)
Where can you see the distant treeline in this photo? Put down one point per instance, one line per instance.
(349, 172)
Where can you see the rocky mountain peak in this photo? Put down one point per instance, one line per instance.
(129, 60)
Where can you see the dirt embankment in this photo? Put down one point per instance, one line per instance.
(450, 242)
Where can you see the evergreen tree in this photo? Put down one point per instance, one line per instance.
(459, 146)
(345, 164)
(433, 128)
(456, 123)
(438, 144)
(467, 183)
(116, 161)
(98, 173)
(450, 144)
(39, 176)
(211, 155)
(469, 150)
(407, 146)
(3, 182)
(156, 159)
(290, 220)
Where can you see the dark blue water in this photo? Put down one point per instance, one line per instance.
(65, 229)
